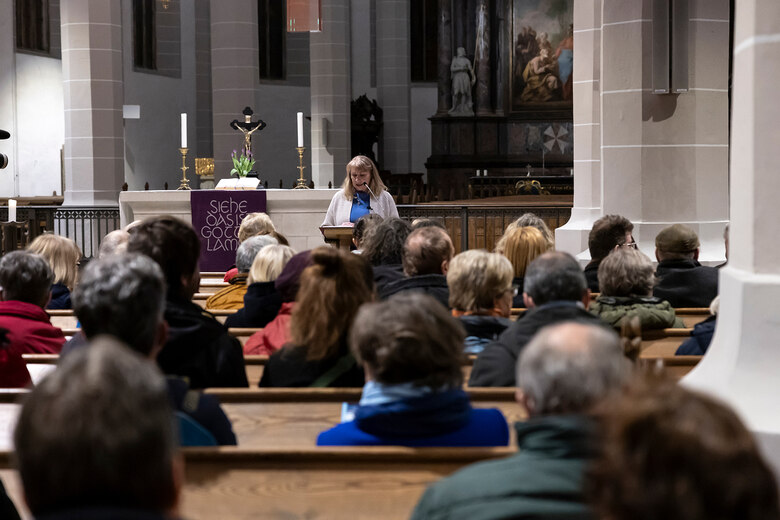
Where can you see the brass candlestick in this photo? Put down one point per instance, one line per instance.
(185, 184)
(301, 183)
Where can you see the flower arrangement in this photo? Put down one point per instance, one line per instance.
(242, 164)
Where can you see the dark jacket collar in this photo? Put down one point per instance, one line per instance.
(428, 415)
(678, 264)
(558, 436)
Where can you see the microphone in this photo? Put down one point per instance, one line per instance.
(371, 193)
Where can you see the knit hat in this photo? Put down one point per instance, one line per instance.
(289, 280)
(677, 239)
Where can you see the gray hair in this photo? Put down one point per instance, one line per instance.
(25, 277)
(569, 367)
(248, 250)
(98, 431)
(114, 243)
(554, 276)
(124, 296)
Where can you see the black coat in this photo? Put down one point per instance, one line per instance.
(261, 305)
(432, 284)
(592, 275)
(686, 283)
(200, 349)
(288, 367)
(387, 274)
(517, 301)
(495, 366)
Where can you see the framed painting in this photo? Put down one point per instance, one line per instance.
(543, 55)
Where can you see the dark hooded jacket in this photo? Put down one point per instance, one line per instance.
(686, 283)
(431, 284)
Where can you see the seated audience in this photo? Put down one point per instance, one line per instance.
(682, 280)
(277, 332)
(521, 245)
(702, 333)
(25, 289)
(426, 257)
(481, 292)
(114, 243)
(232, 296)
(96, 440)
(525, 220)
(411, 351)
(626, 281)
(198, 346)
(254, 224)
(331, 290)
(426, 222)
(554, 291)
(383, 247)
(124, 296)
(362, 227)
(672, 453)
(63, 257)
(607, 233)
(13, 368)
(261, 301)
(565, 370)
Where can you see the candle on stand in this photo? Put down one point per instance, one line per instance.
(11, 210)
(300, 129)
(184, 130)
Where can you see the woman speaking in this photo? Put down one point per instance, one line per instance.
(363, 192)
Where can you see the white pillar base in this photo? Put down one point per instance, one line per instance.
(572, 237)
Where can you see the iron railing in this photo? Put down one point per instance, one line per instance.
(86, 225)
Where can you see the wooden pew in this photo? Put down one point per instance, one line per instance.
(351, 482)
(663, 342)
(692, 315)
(674, 366)
(212, 285)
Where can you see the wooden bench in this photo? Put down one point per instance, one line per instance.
(212, 285)
(674, 366)
(662, 342)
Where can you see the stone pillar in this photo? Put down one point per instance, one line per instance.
(393, 83)
(482, 59)
(573, 236)
(330, 95)
(742, 362)
(9, 177)
(445, 57)
(92, 76)
(504, 49)
(235, 76)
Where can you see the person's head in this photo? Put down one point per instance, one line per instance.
(530, 219)
(569, 367)
(410, 338)
(174, 245)
(521, 246)
(383, 244)
(114, 243)
(269, 262)
(255, 224)
(361, 170)
(332, 289)
(281, 239)
(677, 242)
(25, 277)
(480, 282)
(247, 251)
(607, 233)
(62, 254)
(99, 431)
(425, 222)
(626, 272)
(289, 280)
(554, 276)
(362, 226)
(427, 250)
(123, 296)
(461, 51)
(672, 453)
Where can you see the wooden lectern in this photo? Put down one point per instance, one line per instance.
(338, 236)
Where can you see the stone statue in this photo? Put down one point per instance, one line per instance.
(463, 80)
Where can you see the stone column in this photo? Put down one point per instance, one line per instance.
(445, 57)
(393, 83)
(503, 52)
(234, 76)
(92, 76)
(573, 236)
(742, 362)
(330, 95)
(9, 177)
(482, 59)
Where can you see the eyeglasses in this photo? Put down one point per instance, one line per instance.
(515, 289)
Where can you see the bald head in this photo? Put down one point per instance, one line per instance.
(569, 367)
(427, 250)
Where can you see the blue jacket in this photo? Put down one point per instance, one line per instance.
(700, 339)
(60, 297)
(439, 419)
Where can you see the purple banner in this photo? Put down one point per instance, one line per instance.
(216, 217)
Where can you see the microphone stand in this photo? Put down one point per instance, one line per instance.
(371, 194)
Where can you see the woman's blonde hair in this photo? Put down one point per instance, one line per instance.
(62, 255)
(526, 219)
(255, 224)
(521, 245)
(626, 272)
(476, 278)
(268, 263)
(361, 163)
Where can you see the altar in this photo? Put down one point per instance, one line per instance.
(297, 214)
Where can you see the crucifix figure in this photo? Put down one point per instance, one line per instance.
(247, 127)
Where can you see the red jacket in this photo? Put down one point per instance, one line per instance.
(13, 370)
(273, 336)
(29, 329)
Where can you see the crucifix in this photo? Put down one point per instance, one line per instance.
(247, 127)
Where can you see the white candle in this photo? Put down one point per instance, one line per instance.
(300, 129)
(11, 210)
(184, 130)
